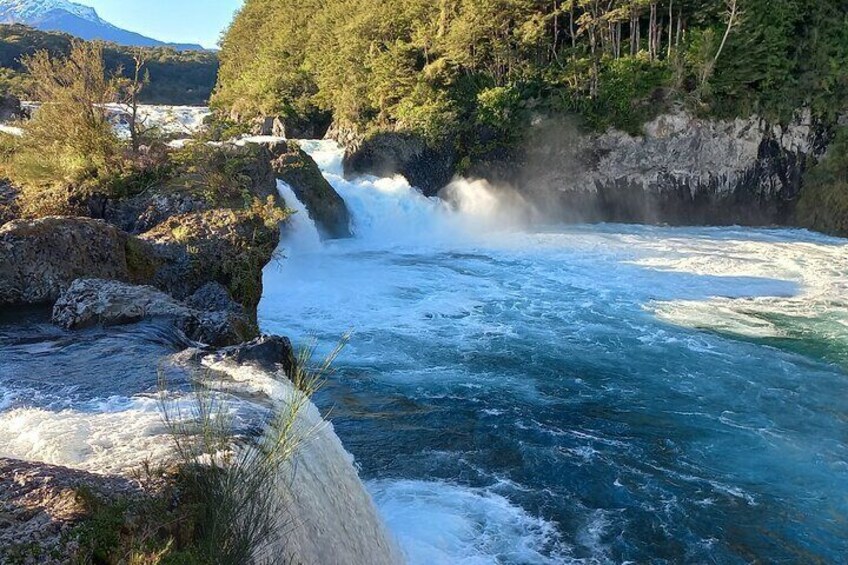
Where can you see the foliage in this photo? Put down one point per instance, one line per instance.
(219, 173)
(70, 127)
(70, 152)
(629, 94)
(176, 77)
(824, 201)
(442, 68)
(499, 107)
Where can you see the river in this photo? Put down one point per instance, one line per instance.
(516, 392)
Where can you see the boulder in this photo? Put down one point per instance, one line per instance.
(266, 352)
(10, 108)
(269, 126)
(297, 169)
(428, 167)
(313, 126)
(90, 302)
(230, 247)
(39, 259)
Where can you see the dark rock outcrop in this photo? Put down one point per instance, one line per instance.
(269, 126)
(90, 302)
(230, 247)
(326, 208)
(10, 108)
(9, 208)
(308, 127)
(266, 352)
(188, 193)
(142, 213)
(681, 170)
(426, 166)
(41, 258)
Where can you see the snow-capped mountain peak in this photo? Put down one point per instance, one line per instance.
(32, 10)
(75, 19)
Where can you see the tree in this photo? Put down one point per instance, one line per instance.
(69, 150)
(129, 93)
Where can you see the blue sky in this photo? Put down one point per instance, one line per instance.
(183, 21)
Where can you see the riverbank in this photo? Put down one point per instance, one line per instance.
(105, 310)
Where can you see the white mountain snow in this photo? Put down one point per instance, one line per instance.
(25, 11)
(75, 19)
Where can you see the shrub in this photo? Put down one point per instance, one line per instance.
(69, 145)
(218, 173)
(499, 107)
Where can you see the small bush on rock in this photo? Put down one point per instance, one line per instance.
(218, 173)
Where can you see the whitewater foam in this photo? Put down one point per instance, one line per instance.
(439, 523)
(115, 440)
(391, 212)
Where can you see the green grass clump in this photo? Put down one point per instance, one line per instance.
(217, 502)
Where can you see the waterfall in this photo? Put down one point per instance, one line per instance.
(390, 210)
(325, 514)
(300, 234)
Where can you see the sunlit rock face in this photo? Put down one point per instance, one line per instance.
(680, 170)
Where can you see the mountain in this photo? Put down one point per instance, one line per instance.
(78, 20)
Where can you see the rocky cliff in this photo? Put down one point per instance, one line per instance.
(681, 170)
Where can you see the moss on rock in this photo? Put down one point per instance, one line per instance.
(823, 205)
(227, 246)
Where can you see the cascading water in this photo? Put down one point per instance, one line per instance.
(302, 234)
(525, 394)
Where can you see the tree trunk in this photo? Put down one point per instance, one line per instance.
(670, 27)
(658, 37)
(618, 40)
(652, 31)
(679, 28)
(732, 4)
(571, 27)
(634, 33)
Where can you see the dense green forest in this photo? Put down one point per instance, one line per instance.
(176, 77)
(437, 66)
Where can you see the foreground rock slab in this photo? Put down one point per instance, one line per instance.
(90, 302)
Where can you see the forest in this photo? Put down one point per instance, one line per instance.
(176, 77)
(439, 66)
